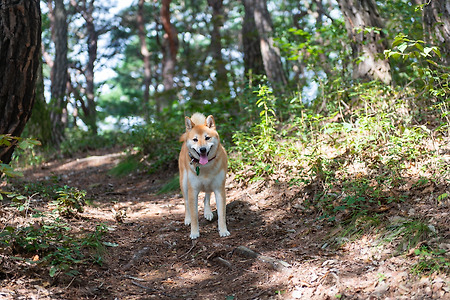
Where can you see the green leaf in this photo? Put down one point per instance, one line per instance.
(402, 47)
(427, 50)
(28, 143)
(109, 244)
(400, 38)
(53, 271)
(442, 197)
(9, 171)
(418, 46)
(437, 51)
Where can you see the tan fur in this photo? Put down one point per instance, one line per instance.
(201, 133)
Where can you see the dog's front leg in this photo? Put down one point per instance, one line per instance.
(185, 191)
(187, 213)
(207, 207)
(193, 212)
(221, 204)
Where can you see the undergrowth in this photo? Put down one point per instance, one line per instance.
(37, 233)
(359, 151)
(41, 235)
(362, 157)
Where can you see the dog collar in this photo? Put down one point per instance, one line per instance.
(196, 161)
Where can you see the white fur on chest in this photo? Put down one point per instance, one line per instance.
(208, 180)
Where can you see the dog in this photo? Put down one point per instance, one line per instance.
(203, 167)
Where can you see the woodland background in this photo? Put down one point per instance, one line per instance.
(343, 103)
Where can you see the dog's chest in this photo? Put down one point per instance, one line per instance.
(207, 180)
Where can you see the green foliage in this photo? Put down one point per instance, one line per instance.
(54, 245)
(156, 144)
(69, 201)
(21, 144)
(328, 64)
(426, 71)
(406, 48)
(408, 233)
(430, 261)
(258, 148)
(125, 167)
(45, 239)
(78, 140)
(357, 226)
(172, 185)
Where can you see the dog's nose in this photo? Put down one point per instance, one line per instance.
(203, 150)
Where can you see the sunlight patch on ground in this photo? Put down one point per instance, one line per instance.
(91, 161)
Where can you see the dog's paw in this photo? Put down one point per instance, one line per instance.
(208, 215)
(224, 233)
(195, 235)
(187, 221)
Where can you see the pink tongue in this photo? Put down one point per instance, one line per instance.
(203, 159)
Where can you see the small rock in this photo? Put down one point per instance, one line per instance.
(381, 289)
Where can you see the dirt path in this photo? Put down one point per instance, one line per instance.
(155, 259)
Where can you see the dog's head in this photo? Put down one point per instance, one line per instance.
(201, 137)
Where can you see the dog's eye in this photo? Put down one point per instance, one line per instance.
(207, 137)
(195, 140)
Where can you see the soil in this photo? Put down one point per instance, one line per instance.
(155, 258)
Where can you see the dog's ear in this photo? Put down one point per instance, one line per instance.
(189, 123)
(210, 122)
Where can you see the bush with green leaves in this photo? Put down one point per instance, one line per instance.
(21, 144)
(43, 238)
(258, 148)
(53, 244)
(65, 200)
(430, 261)
(78, 140)
(156, 144)
(69, 201)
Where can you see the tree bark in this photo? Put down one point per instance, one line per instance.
(86, 9)
(436, 24)
(20, 40)
(58, 74)
(142, 33)
(253, 62)
(170, 49)
(361, 16)
(221, 83)
(39, 125)
(269, 52)
(91, 112)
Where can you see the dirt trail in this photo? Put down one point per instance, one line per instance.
(155, 259)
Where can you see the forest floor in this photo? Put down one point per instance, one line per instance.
(154, 258)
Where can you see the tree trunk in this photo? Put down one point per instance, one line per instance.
(86, 9)
(221, 83)
(142, 33)
(170, 49)
(20, 40)
(436, 24)
(58, 75)
(91, 112)
(269, 52)
(39, 125)
(361, 17)
(253, 62)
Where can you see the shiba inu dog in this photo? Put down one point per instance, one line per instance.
(203, 168)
